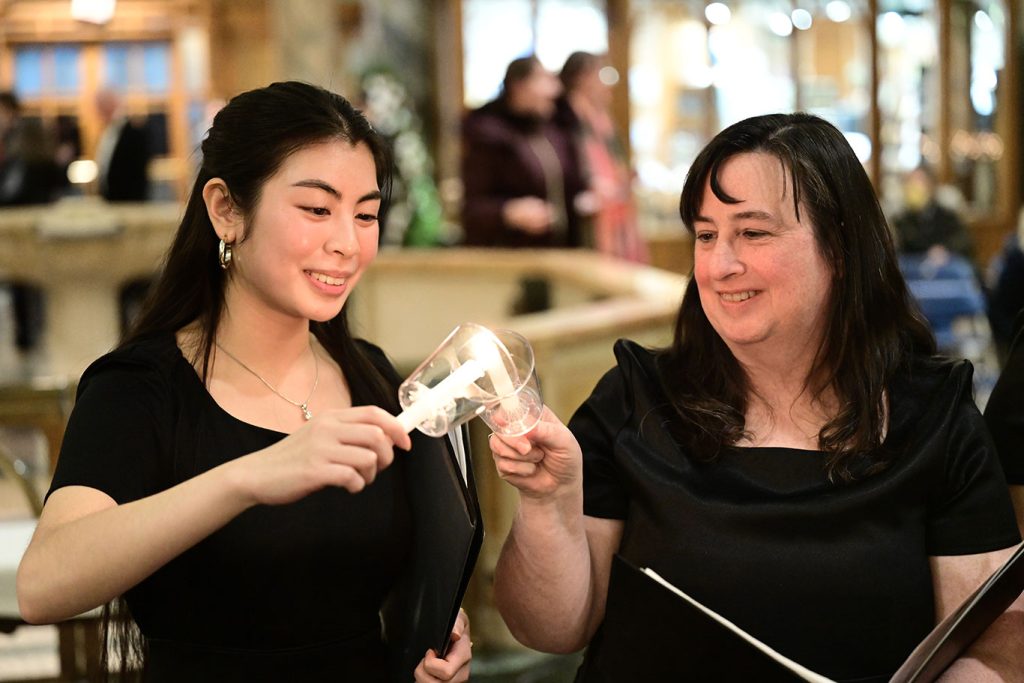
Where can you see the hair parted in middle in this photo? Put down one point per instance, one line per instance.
(251, 137)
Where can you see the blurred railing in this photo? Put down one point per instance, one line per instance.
(410, 300)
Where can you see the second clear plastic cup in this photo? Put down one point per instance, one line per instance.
(518, 407)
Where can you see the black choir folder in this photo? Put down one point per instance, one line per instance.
(652, 648)
(421, 610)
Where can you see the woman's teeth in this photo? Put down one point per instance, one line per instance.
(327, 279)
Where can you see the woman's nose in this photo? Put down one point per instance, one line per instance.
(343, 238)
(725, 261)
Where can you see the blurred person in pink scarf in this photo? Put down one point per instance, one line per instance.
(584, 109)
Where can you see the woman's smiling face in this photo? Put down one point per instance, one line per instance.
(762, 279)
(312, 234)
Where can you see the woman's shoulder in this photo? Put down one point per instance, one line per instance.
(376, 355)
(150, 357)
(930, 393)
(935, 376)
(493, 124)
(634, 378)
(635, 361)
(380, 360)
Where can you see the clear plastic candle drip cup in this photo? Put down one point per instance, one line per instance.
(475, 371)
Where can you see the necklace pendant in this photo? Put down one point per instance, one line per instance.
(305, 412)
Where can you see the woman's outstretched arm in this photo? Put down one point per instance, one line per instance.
(87, 549)
(552, 575)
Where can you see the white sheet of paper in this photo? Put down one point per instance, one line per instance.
(455, 436)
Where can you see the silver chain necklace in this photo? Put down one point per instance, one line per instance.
(304, 406)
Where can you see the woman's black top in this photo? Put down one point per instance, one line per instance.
(834, 576)
(287, 592)
(1004, 412)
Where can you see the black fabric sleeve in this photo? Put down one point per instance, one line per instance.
(1005, 410)
(380, 361)
(118, 432)
(973, 513)
(596, 425)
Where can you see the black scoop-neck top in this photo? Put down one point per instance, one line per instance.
(288, 592)
(834, 576)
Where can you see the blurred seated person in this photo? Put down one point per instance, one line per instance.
(926, 226)
(28, 172)
(798, 459)
(520, 170)
(123, 154)
(1004, 414)
(585, 110)
(1006, 288)
(68, 141)
(28, 175)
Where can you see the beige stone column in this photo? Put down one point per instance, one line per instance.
(306, 33)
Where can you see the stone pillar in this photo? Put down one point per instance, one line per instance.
(306, 32)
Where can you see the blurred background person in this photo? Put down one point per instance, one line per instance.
(936, 256)
(584, 109)
(28, 173)
(1006, 288)
(122, 155)
(520, 170)
(122, 160)
(8, 116)
(926, 225)
(67, 148)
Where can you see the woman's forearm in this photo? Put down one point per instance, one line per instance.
(543, 581)
(998, 654)
(76, 565)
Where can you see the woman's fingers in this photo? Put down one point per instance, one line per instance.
(519, 449)
(455, 666)
(347, 478)
(367, 436)
(461, 629)
(362, 461)
(387, 422)
(508, 467)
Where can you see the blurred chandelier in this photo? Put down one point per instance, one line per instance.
(93, 11)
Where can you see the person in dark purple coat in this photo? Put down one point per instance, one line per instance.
(521, 171)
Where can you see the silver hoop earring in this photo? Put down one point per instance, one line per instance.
(224, 254)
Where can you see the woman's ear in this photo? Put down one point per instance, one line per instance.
(220, 207)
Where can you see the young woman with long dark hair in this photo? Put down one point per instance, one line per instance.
(230, 467)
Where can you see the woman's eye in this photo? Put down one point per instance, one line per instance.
(317, 210)
(705, 236)
(366, 217)
(754, 234)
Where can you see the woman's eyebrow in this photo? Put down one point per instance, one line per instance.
(319, 185)
(753, 214)
(326, 187)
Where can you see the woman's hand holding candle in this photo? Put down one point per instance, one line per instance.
(431, 400)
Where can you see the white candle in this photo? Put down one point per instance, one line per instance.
(485, 349)
(436, 398)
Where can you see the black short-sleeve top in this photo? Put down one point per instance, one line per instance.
(834, 576)
(1004, 413)
(279, 590)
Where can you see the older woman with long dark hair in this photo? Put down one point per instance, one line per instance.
(797, 460)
